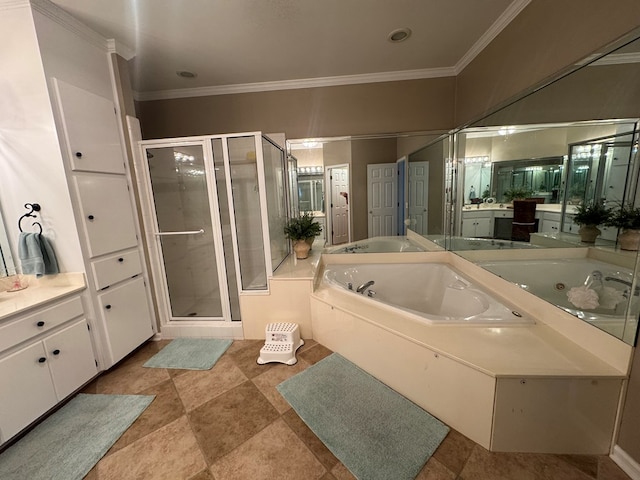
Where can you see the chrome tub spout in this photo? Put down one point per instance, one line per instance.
(364, 286)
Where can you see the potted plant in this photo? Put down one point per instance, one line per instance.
(300, 230)
(517, 193)
(627, 219)
(589, 216)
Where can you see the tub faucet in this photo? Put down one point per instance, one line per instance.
(364, 286)
(624, 282)
(595, 276)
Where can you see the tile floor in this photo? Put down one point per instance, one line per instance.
(230, 423)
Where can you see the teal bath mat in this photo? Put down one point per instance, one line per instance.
(67, 444)
(374, 431)
(190, 354)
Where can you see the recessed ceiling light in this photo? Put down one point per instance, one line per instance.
(399, 35)
(186, 74)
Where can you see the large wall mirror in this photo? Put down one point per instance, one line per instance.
(520, 175)
(7, 266)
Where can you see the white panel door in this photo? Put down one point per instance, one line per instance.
(108, 219)
(71, 358)
(91, 130)
(126, 317)
(339, 180)
(382, 199)
(27, 391)
(418, 196)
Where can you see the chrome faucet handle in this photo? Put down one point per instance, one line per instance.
(350, 286)
(371, 293)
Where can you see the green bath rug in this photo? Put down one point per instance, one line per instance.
(374, 431)
(190, 354)
(68, 443)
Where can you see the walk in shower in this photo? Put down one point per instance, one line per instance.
(214, 211)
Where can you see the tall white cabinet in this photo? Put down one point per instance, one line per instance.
(64, 150)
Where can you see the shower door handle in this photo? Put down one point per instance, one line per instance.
(188, 232)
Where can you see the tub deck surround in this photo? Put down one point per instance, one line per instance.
(39, 292)
(511, 352)
(529, 388)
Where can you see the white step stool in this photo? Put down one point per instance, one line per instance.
(282, 341)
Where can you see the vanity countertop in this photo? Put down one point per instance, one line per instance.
(39, 292)
(543, 207)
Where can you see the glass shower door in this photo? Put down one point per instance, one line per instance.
(189, 241)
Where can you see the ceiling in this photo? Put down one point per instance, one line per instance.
(288, 43)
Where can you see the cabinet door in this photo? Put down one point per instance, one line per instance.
(26, 390)
(550, 226)
(91, 130)
(483, 227)
(127, 317)
(106, 209)
(71, 358)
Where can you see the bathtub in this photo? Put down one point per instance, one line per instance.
(470, 243)
(432, 293)
(552, 279)
(378, 245)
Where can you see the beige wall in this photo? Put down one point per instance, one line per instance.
(411, 105)
(546, 37)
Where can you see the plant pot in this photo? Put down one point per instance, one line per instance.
(589, 233)
(629, 239)
(310, 241)
(301, 247)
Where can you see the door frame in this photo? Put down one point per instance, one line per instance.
(328, 187)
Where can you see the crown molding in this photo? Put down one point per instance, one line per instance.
(512, 11)
(296, 84)
(114, 46)
(69, 22)
(617, 59)
(11, 4)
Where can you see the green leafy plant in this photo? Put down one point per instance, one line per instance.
(626, 217)
(517, 192)
(302, 227)
(593, 213)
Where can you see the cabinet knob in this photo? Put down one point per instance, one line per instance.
(56, 352)
(121, 259)
(42, 360)
(108, 307)
(79, 154)
(40, 323)
(91, 217)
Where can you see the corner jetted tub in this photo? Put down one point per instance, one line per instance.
(378, 245)
(432, 293)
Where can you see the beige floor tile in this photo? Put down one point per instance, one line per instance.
(164, 409)
(268, 381)
(310, 439)
(230, 419)
(238, 345)
(608, 470)
(246, 359)
(203, 475)
(521, 466)
(434, 470)
(454, 451)
(274, 453)
(315, 354)
(130, 378)
(196, 387)
(170, 453)
(340, 472)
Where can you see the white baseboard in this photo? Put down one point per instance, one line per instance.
(626, 463)
(232, 330)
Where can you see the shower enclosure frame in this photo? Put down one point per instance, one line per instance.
(223, 326)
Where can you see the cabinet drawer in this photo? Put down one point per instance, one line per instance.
(17, 331)
(116, 268)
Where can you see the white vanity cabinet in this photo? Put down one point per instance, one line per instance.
(46, 355)
(105, 213)
(477, 224)
(550, 222)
